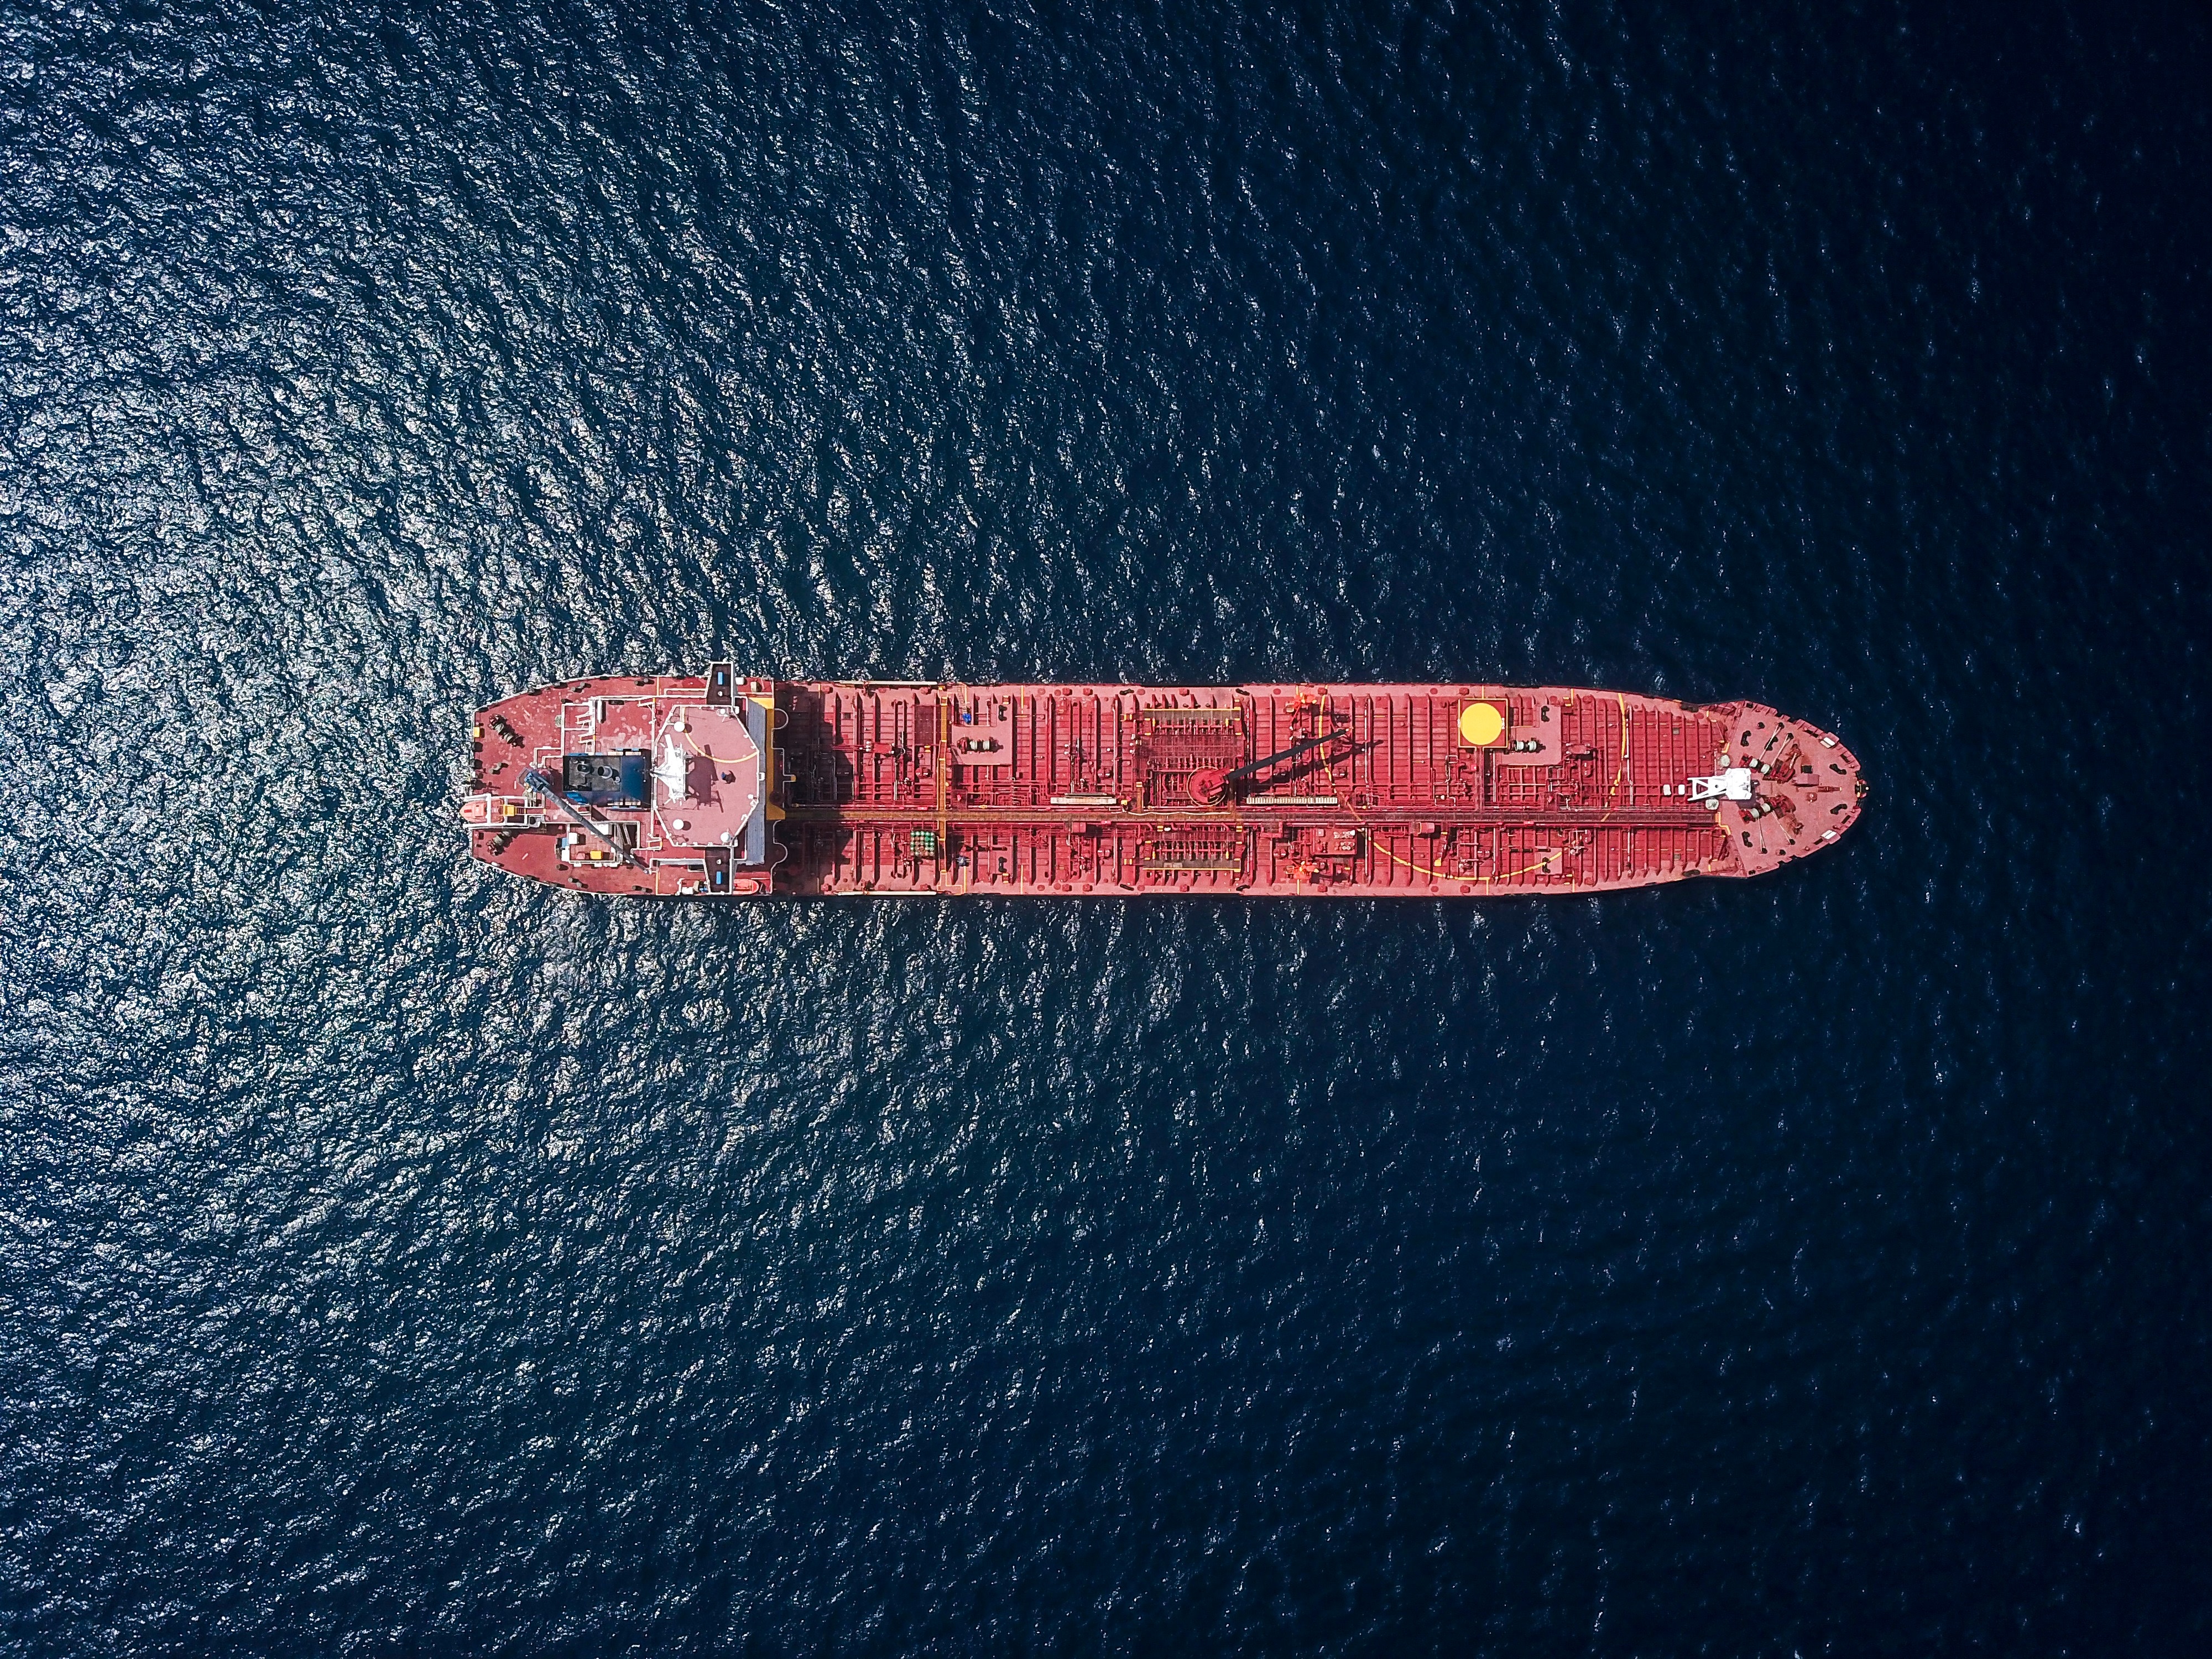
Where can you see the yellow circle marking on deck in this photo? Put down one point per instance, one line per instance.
(1481, 724)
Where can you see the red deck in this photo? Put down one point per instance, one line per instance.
(781, 787)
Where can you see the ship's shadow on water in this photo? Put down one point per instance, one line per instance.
(393, 1255)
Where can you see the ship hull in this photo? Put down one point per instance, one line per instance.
(711, 786)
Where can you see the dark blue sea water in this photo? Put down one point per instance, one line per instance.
(396, 1259)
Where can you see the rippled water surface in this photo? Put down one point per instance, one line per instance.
(397, 1259)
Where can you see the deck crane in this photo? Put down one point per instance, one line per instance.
(545, 786)
(1214, 787)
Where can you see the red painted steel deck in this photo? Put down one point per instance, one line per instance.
(887, 789)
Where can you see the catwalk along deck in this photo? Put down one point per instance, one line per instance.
(710, 786)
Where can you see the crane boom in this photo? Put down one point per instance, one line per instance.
(1251, 770)
(543, 786)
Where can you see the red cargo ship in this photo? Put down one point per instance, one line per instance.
(713, 786)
